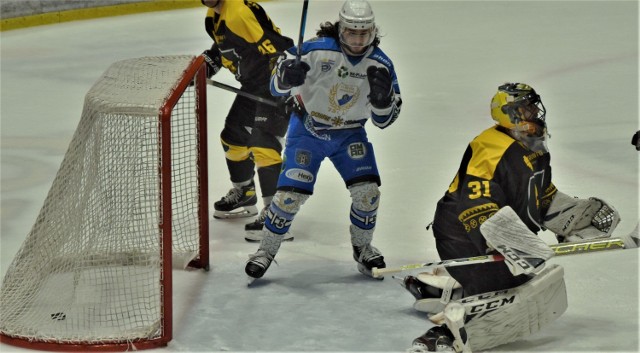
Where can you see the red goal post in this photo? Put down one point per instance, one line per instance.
(128, 204)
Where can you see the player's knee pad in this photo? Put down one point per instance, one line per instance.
(289, 201)
(264, 157)
(283, 208)
(365, 198)
(233, 152)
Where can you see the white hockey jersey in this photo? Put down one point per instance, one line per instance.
(335, 92)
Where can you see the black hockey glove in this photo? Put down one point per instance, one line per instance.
(635, 141)
(292, 74)
(213, 59)
(381, 89)
(286, 106)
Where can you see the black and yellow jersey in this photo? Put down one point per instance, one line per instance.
(496, 171)
(247, 40)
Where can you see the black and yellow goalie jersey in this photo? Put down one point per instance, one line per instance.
(495, 171)
(247, 40)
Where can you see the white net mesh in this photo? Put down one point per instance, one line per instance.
(90, 269)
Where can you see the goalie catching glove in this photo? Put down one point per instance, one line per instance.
(573, 219)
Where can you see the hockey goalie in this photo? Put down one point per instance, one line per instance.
(500, 198)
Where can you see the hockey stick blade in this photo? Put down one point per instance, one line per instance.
(379, 272)
(629, 241)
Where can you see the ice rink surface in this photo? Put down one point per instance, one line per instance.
(450, 56)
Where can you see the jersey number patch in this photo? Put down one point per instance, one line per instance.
(479, 189)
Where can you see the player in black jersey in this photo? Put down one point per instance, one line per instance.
(508, 164)
(247, 43)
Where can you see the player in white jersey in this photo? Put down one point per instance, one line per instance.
(340, 81)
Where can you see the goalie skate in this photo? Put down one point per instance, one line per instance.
(237, 203)
(437, 339)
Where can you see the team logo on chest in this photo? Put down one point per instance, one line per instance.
(342, 97)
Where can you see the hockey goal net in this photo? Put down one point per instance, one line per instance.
(128, 203)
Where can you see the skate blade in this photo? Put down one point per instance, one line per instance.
(246, 211)
(255, 236)
(417, 350)
(250, 281)
(362, 269)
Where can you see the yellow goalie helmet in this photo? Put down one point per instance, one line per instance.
(518, 108)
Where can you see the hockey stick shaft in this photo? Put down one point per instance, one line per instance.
(378, 272)
(303, 24)
(242, 93)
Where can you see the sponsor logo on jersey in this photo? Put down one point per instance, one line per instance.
(299, 175)
(303, 158)
(357, 150)
(367, 167)
(326, 65)
(343, 72)
(382, 59)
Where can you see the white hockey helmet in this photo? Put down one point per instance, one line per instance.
(357, 26)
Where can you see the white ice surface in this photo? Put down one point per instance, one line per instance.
(582, 57)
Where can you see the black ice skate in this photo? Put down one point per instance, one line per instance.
(367, 258)
(237, 203)
(253, 230)
(257, 265)
(437, 339)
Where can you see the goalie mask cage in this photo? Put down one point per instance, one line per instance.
(129, 200)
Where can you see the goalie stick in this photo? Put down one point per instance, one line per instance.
(378, 272)
(521, 249)
(630, 241)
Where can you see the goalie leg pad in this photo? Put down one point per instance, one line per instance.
(506, 316)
